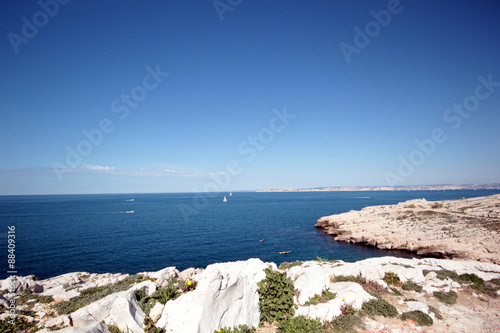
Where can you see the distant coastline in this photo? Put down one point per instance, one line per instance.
(441, 187)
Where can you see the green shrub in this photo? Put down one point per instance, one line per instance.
(301, 324)
(446, 297)
(162, 295)
(443, 274)
(485, 289)
(145, 301)
(350, 278)
(374, 287)
(28, 294)
(436, 312)
(346, 322)
(419, 317)
(325, 296)
(287, 265)
(239, 329)
(170, 292)
(410, 285)
(331, 261)
(495, 281)
(276, 296)
(114, 329)
(379, 307)
(392, 279)
(472, 278)
(478, 284)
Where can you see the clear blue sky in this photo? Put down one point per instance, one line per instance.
(354, 121)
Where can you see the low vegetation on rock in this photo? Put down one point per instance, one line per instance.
(379, 307)
(449, 297)
(349, 278)
(392, 279)
(301, 324)
(276, 294)
(410, 285)
(239, 329)
(93, 294)
(18, 324)
(287, 265)
(421, 318)
(323, 298)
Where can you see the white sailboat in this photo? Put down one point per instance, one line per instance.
(230, 194)
(225, 199)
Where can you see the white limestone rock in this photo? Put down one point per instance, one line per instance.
(60, 320)
(120, 309)
(67, 286)
(22, 283)
(162, 276)
(189, 273)
(64, 281)
(323, 311)
(60, 293)
(309, 279)
(99, 280)
(156, 311)
(349, 293)
(150, 287)
(226, 296)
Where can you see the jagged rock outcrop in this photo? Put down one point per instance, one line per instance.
(162, 276)
(226, 296)
(119, 309)
(22, 284)
(466, 229)
(347, 293)
(67, 286)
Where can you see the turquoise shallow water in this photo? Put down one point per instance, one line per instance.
(57, 234)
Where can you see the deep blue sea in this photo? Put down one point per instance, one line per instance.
(98, 233)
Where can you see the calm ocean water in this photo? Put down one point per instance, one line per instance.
(57, 234)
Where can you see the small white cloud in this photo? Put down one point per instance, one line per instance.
(110, 170)
(97, 167)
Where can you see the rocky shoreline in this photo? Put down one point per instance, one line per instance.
(385, 294)
(452, 296)
(465, 229)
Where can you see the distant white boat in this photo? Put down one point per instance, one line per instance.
(130, 200)
(130, 212)
(230, 194)
(225, 199)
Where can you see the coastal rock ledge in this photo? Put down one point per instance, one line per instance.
(453, 296)
(465, 229)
